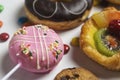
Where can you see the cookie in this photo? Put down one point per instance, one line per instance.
(75, 74)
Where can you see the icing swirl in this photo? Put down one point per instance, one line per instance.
(58, 11)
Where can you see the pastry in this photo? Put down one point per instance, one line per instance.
(58, 14)
(75, 74)
(37, 48)
(99, 38)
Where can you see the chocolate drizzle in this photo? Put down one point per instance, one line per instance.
(58, 11)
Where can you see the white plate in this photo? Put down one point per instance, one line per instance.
(75, 58)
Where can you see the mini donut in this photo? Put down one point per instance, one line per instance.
(114, 1)
(75, 74)
(58, 14)
(37, 48)
(105, 49)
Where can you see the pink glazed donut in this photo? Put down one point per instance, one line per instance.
(38, 48)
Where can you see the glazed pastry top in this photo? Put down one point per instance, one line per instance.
(58, 10)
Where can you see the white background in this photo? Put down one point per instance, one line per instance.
(75, 58)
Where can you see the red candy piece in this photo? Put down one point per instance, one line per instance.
(4, 36)
(114, 27)
(66, 48)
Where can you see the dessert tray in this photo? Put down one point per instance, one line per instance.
(13, 10)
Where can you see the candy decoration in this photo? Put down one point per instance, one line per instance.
(22, 20)
(66, 48)
(75, 41)
(1, 8)
(1, 23)
(4, 36)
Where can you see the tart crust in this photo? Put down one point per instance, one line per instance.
(114, 1)
(87, 43)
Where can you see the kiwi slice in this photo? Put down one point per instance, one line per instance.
(102, 44)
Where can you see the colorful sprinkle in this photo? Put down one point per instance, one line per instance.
(30, 55)
(21, 31)
(1, 23)
(1, 8)
(53, 47)
(75, 41)
(26, 51)
(22, 20)
(4, 37)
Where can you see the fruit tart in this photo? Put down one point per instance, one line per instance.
(100, 38)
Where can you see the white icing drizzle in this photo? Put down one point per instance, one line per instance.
(41, 44)
(46, 48)
(38, 64)
(26, 39)
(44, 42)
(76, 13)
(56, 7)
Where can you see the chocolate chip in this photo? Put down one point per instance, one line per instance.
(76, 75)
(65, 77)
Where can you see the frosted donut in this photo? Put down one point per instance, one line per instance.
(38, 48)
(58, 14)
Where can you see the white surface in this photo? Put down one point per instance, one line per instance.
(75, 58)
